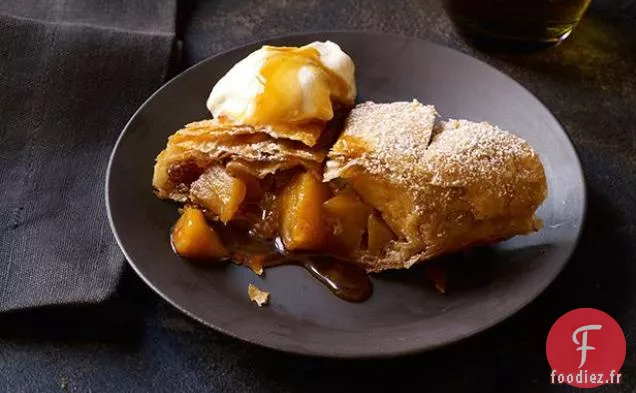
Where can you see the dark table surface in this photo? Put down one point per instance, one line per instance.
(137, 342)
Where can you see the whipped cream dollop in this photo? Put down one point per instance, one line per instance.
(276, 85)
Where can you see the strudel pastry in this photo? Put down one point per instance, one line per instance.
(441, 186)
(399, 186)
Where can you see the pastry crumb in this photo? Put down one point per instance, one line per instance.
(256, 264)
(256, 295)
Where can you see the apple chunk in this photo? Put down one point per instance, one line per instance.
(347, 216)
(379, 234)
(219, 192)
(193, 238)
(302, 223)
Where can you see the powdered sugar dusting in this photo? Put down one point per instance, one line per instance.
(463, 152)
(386, 138)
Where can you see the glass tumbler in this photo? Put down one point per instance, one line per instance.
(521, 21)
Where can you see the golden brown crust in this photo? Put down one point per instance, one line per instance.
(473, 184)
(307, 133)
(204, 143)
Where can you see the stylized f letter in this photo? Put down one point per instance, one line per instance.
(584, 347)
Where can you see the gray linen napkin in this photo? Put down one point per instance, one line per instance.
(71, 74)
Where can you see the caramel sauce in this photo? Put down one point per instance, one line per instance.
(346, 280)
(354, 146)
(283, 91)
(342, 277)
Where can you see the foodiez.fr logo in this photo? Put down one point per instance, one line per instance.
(585, 348)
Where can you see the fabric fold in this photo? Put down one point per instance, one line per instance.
(67, 88)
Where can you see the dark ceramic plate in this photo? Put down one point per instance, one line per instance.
(405, 314)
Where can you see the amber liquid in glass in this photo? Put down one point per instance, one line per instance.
(530, 21)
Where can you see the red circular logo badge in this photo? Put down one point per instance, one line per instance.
(585, 348)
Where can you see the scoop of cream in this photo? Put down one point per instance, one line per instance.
(285, 85)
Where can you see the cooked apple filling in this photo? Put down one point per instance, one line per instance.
(295, 206)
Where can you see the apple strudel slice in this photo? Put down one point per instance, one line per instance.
(439, 186)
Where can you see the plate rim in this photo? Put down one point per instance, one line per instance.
(378, 352)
